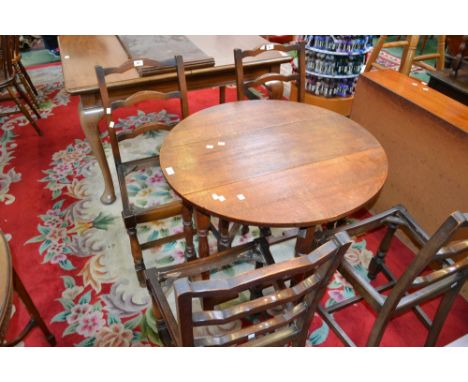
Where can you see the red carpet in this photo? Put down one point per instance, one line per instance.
(72, 256)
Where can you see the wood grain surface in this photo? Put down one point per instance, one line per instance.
(80, 54)
(421, 95)
(295, 164)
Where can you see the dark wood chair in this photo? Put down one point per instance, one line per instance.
(417, 284)
(10, 282)
(278, 310)
(9, 82)
(273, 82)
(133, 215)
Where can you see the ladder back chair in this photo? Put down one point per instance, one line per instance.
(9, 82)
(134, 215)
(279, 309)
(408, 57)
(417, 284)
(9, 283)
(273, 82)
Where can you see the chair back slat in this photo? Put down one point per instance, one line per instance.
(281, 297)
(272, 84)
(291, 306)
(145, 128)
(235, 337)
(144, 95)
(133, 64)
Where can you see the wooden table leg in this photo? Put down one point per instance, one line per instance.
(203, 224)
(89, 119)
(222, 94)
(187, 212)
(224, 242)
(305, 241)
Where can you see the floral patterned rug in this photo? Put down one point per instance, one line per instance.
(73, 254)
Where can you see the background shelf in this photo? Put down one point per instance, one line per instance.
(332, 75)
(352, 53)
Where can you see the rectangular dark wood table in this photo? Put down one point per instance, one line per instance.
(80, 54)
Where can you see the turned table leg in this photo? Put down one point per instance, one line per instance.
(203, 224)
(187, 212)
(89, 119)
(224, 242)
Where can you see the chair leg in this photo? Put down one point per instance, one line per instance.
(161, 326)
(26, 76)
(440, 63)
(35, 315)
(222, 94)
(423, 44)
(375, 53)
(27, 86)
(23, 109)
(441, 314)
(408, 55)
(26, 98)
(137, 256)
(377, 262)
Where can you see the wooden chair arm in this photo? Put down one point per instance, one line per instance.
(396, 215)
(198, 266)
(440, 274)
(264, 275)
(453, 249)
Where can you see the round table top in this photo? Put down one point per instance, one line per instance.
(273, 163)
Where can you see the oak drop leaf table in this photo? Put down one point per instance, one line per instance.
(272, 164)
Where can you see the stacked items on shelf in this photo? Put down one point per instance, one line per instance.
(334, 62)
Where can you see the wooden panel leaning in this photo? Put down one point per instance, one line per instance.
(412, 287)
(9, 81)
(282, 310)
(9, 282)
(133, 215)
(273, 82)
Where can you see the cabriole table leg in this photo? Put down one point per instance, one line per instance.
(89, 119)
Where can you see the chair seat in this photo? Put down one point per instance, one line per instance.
(147, 188)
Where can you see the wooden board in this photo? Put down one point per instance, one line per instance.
(295, 164)
(422, 96)
(425, 136)
(163, 48)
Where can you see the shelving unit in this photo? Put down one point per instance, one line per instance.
(333, 65)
